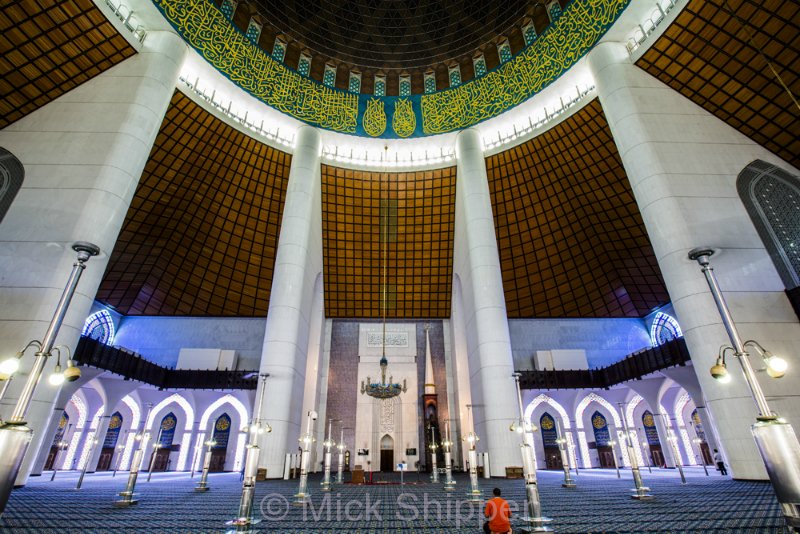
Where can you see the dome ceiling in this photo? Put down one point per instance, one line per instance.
(393, 33)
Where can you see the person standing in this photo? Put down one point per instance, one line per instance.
(720, 463)
(498, 513)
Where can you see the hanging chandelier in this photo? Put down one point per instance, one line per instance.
(384, 389)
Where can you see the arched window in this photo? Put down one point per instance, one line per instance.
(11, 175)
(99, 326)
(665, 328)
(167, 430)
(772, 199)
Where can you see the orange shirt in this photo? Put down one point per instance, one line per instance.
(498, 512)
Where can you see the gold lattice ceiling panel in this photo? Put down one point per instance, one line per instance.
(414, 211)
(48, 48)
(201, 234)
(570, 236)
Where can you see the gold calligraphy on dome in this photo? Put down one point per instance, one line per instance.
(374, 121)
(404, 122)
(248, 66)
(558, 49)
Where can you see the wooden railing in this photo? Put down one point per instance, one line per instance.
(132, 366)
(633, 367)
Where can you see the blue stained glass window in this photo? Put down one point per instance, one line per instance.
(529, 32)
(455, 76)
(99, 326)
(355, 83)
(278, 51)
(227, 8)
(380, 86)
(405, 86)
(329, 78)
(480, 66)
(430, 83)
(665, 328)
(554, 10)
(254, 31)
(304, 65)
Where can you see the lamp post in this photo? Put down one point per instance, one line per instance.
(341, 447)
(303, 496)
(474, 494)
(92, 445)
(673, 443)
(120, 449)
(449, 483)
(434, 467)
(197, 448)
(328, 443)
(640, 492)
(244, 520)
(203, 484)
(154, 455)
(701, 458)
(775, 438)
(136, 462)
(611, 444)
(646, 448)
(562, 442)
(61, 446)
(534, 518)
(15, 436)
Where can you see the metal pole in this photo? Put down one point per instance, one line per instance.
(156, 446)
(534, 519)
(245, 518)
(326, 480)
(672, 439)
(776, 439)
(120, 448)
(15, 436)
(92, 445)
(303, 496)
(197, 448)
(434, 467)
(568, 482)
(340, 470)
(136, 462)
(62, 445)
(203, 484)
(449, 483)
(640, 492)
(614, 456)
(474, 494)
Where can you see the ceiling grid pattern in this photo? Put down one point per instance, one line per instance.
(571, 239)
(201, 233)
(48, 48)
(708, 55)
(420, 251)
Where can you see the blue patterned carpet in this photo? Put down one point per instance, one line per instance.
(600, 504)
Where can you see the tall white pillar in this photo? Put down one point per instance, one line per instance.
(477, 264)
(682, 163)
(83, 155)
(297, 263)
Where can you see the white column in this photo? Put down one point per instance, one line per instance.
(83, 155)
(297, 263)
(477, 264)
(682, 163)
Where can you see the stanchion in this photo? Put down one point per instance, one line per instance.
(328, 443)
(203, 484)
(640, 492)
(245, 521)
(562, 447)
(303, 496)
(128, 493)
(449, 483)
(92, 445)
(434, 467)
(154, 455)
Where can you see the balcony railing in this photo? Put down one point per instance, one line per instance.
(132, 366)
(633, 367)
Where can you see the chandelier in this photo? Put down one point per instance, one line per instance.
(384, 389)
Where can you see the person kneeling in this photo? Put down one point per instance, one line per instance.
(498, 513)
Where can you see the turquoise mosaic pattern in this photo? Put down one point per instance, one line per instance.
(254, 31)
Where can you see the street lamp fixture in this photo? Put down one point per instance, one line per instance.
(774, 437)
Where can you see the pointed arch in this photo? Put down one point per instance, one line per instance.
(72, 449)
(241, 440)
(187, 434)
(586, 401)
(99, 326)
(136, 417)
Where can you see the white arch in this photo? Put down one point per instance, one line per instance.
(637, 446)
(542, 398)
(680, 405)
(586, 401)
(187, 429)
(130, 443)
(87, 443)
(242, 438)
(72, 449)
